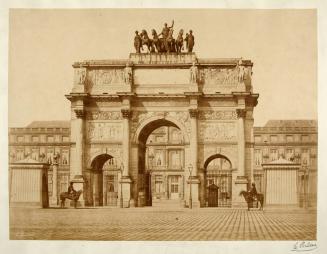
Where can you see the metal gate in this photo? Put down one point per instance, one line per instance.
(213, 195)
(223, 180)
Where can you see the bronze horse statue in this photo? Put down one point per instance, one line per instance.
(74, 197)
(249, 199)
(180, 41)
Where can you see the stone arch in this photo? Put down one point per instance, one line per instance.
(159, 121)
(215, 156)
(98, 161)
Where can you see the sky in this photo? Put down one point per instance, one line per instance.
(43, 44)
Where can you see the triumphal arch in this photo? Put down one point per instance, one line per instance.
(205, 106)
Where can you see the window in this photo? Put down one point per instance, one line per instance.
(289, 138)
(257, 157)
(273, 138)
(65, 139)
(257, 139)
(35, 139)
(289, 154)
(50, 139)
(305, 138)
(305, 159)
(273, 154)
(20, 139)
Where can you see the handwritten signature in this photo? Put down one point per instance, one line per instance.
(304, 246)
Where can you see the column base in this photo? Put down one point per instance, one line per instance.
(53, 202)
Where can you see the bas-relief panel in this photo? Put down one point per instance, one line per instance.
(217, 131)
(218, 76)
(106, 77)
(103, 131)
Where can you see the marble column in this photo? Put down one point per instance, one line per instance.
(54, 197)
(194, 179)
(78, 181)
(240, 181)
(241, 142)
(125, 178)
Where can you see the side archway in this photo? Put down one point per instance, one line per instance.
(218, 181)
(104, 173)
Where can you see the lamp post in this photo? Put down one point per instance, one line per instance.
(121, 185)
(306, 183)
(190, 169)
(150, 164)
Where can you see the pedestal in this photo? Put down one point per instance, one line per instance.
(240, 184)
(78, 184)
(194, 181)
(126, 190)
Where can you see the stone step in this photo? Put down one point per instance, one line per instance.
(167, 203)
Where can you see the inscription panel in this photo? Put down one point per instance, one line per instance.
(161, 76)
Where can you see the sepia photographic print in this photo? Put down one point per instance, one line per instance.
(166, 125)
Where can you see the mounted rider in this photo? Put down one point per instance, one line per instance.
(253, 192)
(71, 190)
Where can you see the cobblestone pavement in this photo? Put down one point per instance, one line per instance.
(151, 224)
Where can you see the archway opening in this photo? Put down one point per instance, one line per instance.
(161, 163)
(218, 179)
(104, 180)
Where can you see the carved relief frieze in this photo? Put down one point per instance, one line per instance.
(108, 76)
(217, 115)
(219, 76)
(217, 132)
(103, 115)
(100, 131)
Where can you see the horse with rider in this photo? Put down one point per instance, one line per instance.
(163, 42)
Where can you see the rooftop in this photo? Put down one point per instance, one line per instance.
(49, 124)
(291, 123)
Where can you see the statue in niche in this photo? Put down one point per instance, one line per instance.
(128, 76)
(241, 71)
(81, 75)
(194, 73)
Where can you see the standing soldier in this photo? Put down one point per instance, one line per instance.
(137, 42)
(190, 41)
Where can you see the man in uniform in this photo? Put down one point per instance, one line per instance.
(253, 192)
(71, 190)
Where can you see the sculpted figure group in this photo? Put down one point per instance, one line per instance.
(163, 42)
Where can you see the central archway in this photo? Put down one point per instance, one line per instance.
(160, 163)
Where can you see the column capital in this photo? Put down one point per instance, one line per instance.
(127, 113)
(193, 113)
(241, 113)
(80, 113)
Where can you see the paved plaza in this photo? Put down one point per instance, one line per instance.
(152, 224)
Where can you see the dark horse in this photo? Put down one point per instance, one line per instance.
(249, 199)
(73, 196)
